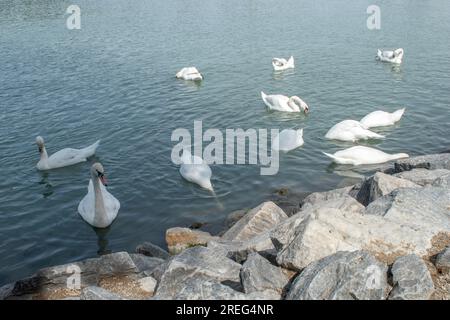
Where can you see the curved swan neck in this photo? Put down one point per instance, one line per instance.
(100, 212)
(43, 152)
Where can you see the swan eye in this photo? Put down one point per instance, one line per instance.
(100, 174)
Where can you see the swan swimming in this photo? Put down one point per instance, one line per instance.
(64, 157)
(280, 64)
(288, 139)
(99, 208)
(395, 56)
(381, 118)
(351, 130)
(195, 170)
(359, 155)
(279, 102)
(189, 73)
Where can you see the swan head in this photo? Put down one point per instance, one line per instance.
(40, 143)
(97, 171)
(299, 103)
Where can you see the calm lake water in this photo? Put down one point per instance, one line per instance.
(114, 80)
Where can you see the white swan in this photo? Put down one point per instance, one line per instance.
(64, 157)
(381, 118)
(99, 208)
(283, 64)
(195, 170)
(359, 155)
(279, 102)
(395, 56)
(351, 130)
(189, 73)
(287, 140)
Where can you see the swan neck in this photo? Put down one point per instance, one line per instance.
(100, 212)
(44, 155)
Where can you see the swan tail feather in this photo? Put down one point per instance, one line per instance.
(397, 115)
(290, 62)
(90, 151)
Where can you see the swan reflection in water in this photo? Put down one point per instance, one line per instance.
(102, 240)
(48, 188)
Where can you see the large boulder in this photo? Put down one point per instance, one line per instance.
(255, 222)
(179, 239)
(194, 263)
(97, 293)
(258, 275)
(411, 279)
(152, 250)
(405, 221)
(431, 162)
(443, 182)
(423, 177)
(381, 184)
(342, 276)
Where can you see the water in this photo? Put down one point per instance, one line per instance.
(114, 80)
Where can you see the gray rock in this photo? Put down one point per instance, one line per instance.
(152, 250)
(431, 162)
(197, 262)
(158, 271)
(342, 276)
(255, 222)
(443, 260)
(423, 176)
(115, 264)
(179, 239)
(411, 279)
(319, 197)
(443, 182)
(97, 293)
(145, 263)
(198, 287)
(258, 275)
(379, 185)
(263, 295)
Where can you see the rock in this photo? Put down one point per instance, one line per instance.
(342, 276)
(381, 184)
(443, 182)
(443, 260)
(97, 293)
(263, 295)
(411, 279)
(148, 284)
(318, 197)
(431, 162)
(255, 222)
(197, 287)
(117, 263)
(234, 217)
(423, 176)
(158, 271)
(288, 200)
(405, 221)
(194, 263)
(152, 250)
(239, 250)
(145, 263)
(258, 274)
(179, 239)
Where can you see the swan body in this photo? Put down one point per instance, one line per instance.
(288, 139)
(63, 158)
(280, 64)
(189, 73)
(282, 103)
(99, 208)
(351, 130)
(360, 155)
(395, 56)
(381, 118)
(195, 170)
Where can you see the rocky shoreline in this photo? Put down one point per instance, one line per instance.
(387, 237)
